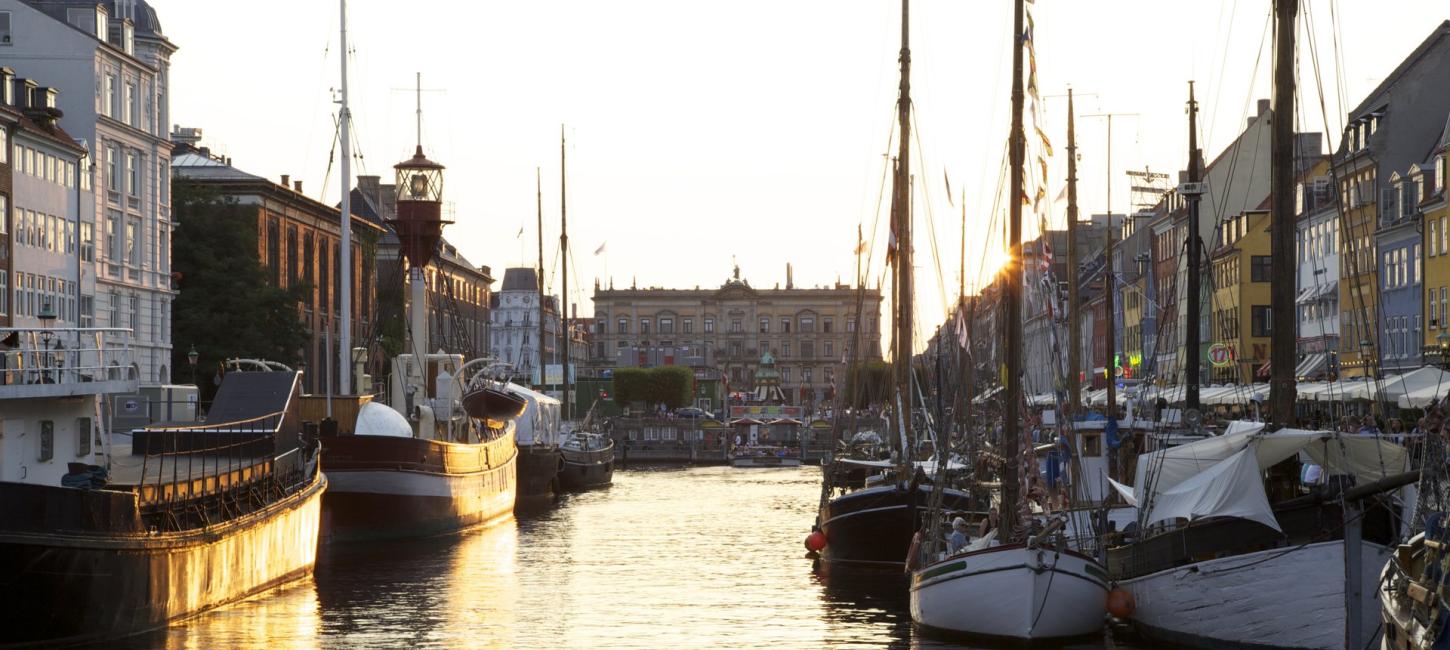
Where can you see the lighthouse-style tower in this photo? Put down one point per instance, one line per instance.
(419, 226)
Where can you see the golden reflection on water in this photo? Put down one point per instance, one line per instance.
(667, 558)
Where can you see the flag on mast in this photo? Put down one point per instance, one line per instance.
(599, 250)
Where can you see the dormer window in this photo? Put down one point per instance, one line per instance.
(1439, 173)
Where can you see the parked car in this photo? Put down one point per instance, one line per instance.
(691, 413)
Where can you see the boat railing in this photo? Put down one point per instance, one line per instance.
(193, 476)
(65, 355)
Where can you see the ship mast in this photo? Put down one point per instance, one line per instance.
(564, 273)
(1192, 345)
(344, 294)
(1012, 294)
(1074, 324)
(901, 217)
(543, 333)
(1281, 342)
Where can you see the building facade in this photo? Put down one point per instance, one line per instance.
(111, 63)
(1388, 133)
(808, 331)
(1436, 215)
(1317, 292)
(514, 321)
(298, 243)
(1241, 316)
(41, 257)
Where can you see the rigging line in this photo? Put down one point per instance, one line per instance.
(1217, 76)
(930, 217)
(331, 155)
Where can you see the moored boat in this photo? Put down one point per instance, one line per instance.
(1032, 592)
(537, 437)
(126, 538)
(757, 456)
(588, 460)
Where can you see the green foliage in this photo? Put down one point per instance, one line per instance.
(672, 386)
(631, 385)
(226, 306)
(867, 383)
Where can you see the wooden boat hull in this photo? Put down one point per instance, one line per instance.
(870, 530)
(82, 586)
(586, 470)
(1277, 598)
(1012, 592)
(393, 488)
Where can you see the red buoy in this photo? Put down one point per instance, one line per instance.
(815, 541)
(1120, 603)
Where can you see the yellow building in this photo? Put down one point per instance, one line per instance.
(1241, 317)
(1432, 177)
(1134, 294)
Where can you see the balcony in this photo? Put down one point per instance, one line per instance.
(64, 362)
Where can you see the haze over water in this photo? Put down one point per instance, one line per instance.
(665, 558)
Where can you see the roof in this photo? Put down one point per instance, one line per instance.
(520, 278)
(143, 16)
(1377, 96)
(199, 165)
(55, 134)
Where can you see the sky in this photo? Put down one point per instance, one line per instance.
(703, 134)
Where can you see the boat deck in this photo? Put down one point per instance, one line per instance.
(185, 475)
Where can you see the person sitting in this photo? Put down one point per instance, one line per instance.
(958, 539)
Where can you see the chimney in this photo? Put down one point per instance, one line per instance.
(370, 188)
(286, 180)
(789, 279)
(1264, 106)
(297, 186)
(188, 135)
(7, 88)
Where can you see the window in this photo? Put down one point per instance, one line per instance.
(850, 325)
(1262, 320)
(88, 311)
(622, 326)
(133, 175)
(128, 109)
(667, 326)
(785, 325)
(735, 349)
(4, 292)
(808, 349)
(1433, 309)
(736, 326)
(644, 326)
(83, 436)
(808, 324)
(689, 325)
(785, 374)
(1415, 263)
(113, 172)
(47, 441)
(133, 242)
(826, 325)
(113, 241)
(293, 275)
(163, 180)
(830, 349)
(135, 315)
(88, 242)
(765, 325)
(274, 251)
(806, 375)
(785, 349)
(709, 326)
(1434, 236)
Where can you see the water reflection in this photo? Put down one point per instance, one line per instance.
(697, 557)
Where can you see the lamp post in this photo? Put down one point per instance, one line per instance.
(1364, 348)
(191, 357)
(1443, 338)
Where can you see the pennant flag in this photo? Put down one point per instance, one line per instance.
(949, 188)
(601, 248)
(521, 233)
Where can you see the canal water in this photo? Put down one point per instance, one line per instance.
(665, 558)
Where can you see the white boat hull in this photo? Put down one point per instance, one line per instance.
(1012, 592)
(1276, 598)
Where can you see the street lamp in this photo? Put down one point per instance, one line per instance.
(1364, 348)
(1443, 338)
(191, 357)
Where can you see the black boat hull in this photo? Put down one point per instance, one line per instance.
(585, 475)
(870, 530)
(538, 468)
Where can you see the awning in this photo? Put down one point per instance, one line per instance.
(1312, 366)
(1264, 370)
(1316, 292)
(745, 422)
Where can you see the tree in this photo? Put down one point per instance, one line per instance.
(674, 386)
(631, 385)
(226, 306)
(867, 382)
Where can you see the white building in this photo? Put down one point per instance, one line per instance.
(110, 62)
(514, 323)
(1317, 299)
(51, 206)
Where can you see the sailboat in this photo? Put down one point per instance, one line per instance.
(1020, 581)
(1299, 573)
(869, 530)
(588, 454)
(438, 454)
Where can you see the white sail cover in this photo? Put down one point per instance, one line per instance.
(1178, 464)
(1230, 488)
(540, 422)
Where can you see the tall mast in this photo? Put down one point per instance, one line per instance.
(1012, 293)
(1281, 342)
(543, 333)
(1192, 345)
(902, 215)
(1109, 287)
(344, 294)
(1074, 320)
(564, 269)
